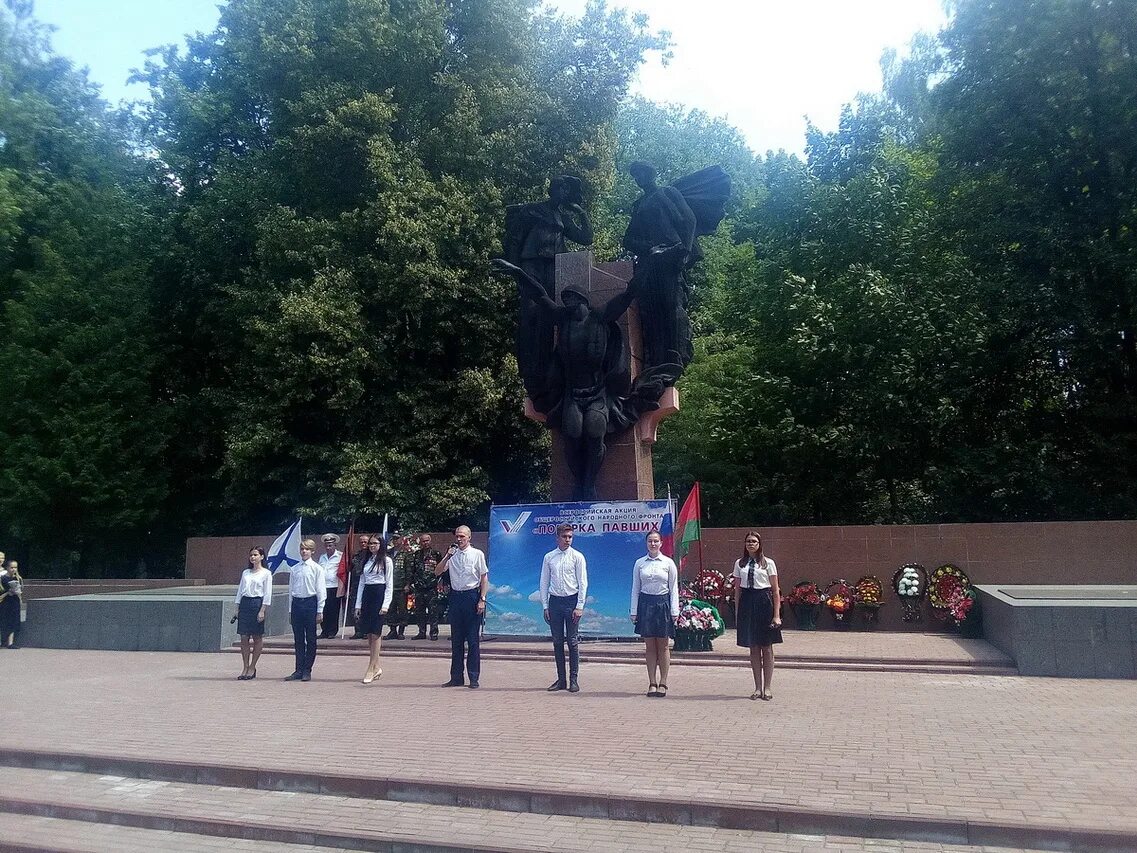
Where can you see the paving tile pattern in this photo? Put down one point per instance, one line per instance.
(1012, 750)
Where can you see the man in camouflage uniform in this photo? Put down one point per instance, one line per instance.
(398, 549)
(430, 591)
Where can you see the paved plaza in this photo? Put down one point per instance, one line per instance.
(1016, 760)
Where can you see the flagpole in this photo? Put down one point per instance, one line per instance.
(701, 567)
(347, 576)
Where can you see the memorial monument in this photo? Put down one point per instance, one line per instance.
(601, 348)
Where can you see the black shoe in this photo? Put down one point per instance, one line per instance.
(306, 676)
(400, 635)
(434, 633)
(557, 685)
(574, 687)
(421, 635)
(294, 677)
(453, 683)
(392, 635)
(358, 637)
(473, 685)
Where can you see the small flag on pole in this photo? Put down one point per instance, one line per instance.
(285, 551)
(688, 527)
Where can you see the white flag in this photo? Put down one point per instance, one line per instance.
(285, 551)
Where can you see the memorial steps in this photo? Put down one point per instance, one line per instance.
(104, 805)
(829, 651)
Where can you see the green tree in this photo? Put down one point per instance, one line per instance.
(81, 436)
(338, 172)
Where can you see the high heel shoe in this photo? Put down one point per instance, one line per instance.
(369, 676)
(252, 675)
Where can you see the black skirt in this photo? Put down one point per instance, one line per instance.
(755, 613)
(653, 616)
(370, 619)
(247, 622)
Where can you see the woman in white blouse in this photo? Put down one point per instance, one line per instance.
(655, 607)
(373, 599)
(254, 594)
(758, 609)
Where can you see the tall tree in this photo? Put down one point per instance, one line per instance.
(81, 435)
(339, 171)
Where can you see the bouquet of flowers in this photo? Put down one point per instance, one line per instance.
(911, 584)
(839, 599)
(804, 592)
(698, 624)
(708, 585)
(950, 593)
(869, 597)
(805, 601)
(692, 618)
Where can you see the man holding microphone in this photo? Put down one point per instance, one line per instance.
(469, 580)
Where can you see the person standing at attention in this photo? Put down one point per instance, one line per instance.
(758, 605)
(469, 580)
(655, 607)
(564, 587)
(373, 600)
(254, 594)
(331, 561)
(307, 593)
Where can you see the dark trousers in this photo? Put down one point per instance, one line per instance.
(304, 632)
(330, 627)
(564, 628)
(427, 604)
(465, 629)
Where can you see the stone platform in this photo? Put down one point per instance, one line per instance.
(181, 619)
(1082, 631)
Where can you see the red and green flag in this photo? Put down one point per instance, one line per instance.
(688, 527)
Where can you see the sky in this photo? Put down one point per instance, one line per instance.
(763, 65)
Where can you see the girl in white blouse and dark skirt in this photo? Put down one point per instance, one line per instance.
(655, 607)
(373, 600)
(758, 609)
(254, 594)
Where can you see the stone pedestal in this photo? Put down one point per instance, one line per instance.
(627, 470)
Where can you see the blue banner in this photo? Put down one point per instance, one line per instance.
(611, 536)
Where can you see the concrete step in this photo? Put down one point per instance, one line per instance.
(28, 833)
(387, 813)
(632, 653)
(75, 811)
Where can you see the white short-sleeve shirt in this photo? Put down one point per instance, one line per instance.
(762, 573)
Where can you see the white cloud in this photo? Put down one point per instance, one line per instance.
(535, 596)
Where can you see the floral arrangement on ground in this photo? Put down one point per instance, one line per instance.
(839, 599)
(709, 585)
(695, 618)
(950, 593)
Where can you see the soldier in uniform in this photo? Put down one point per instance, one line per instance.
(397, 617)
(430, 590)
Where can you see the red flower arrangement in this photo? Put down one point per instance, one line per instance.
(950, 593)
(708, 585)
(804, 593)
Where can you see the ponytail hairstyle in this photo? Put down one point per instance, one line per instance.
(744, 560)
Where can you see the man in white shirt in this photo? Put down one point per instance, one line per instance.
(564, 586)
(469, 579)
(307, 593)
(330, 562)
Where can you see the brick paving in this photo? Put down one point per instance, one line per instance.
(369, 822)
(1017, 751)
